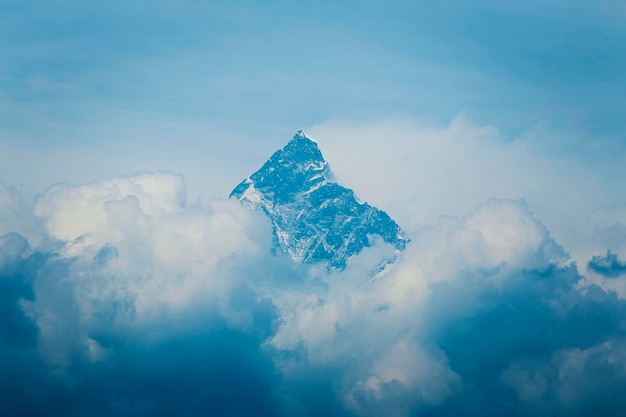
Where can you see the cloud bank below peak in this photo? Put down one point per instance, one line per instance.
(144, 305)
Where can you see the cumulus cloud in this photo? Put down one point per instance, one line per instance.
(136, 303)
(445, 331)
(133, 254)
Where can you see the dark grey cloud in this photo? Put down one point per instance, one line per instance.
(513, 344)
(608, 265)
(27, 386)
(15, 284)
(211, 369)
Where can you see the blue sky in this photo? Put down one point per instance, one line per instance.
(71, 68)
(491, 131)
(208, 75)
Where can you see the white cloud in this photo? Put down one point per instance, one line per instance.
(418, 172)
(86, 210)
(135, 254)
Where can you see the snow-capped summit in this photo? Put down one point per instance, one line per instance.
(315, 220)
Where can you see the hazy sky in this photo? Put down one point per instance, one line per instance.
(210, 88)
(493, 132)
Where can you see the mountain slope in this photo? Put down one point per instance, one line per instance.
(315, 220)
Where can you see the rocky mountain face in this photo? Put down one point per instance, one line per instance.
(315, 220)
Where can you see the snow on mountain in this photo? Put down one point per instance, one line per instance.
(315, 220)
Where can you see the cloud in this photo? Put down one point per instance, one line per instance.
(133, 254)
(26, 386)
(447, 329)
(418, 171)
(136, 303)
(608, 266)
(72, 211)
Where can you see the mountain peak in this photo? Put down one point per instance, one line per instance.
(314, 219)
(301, 147)
(301, 135)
